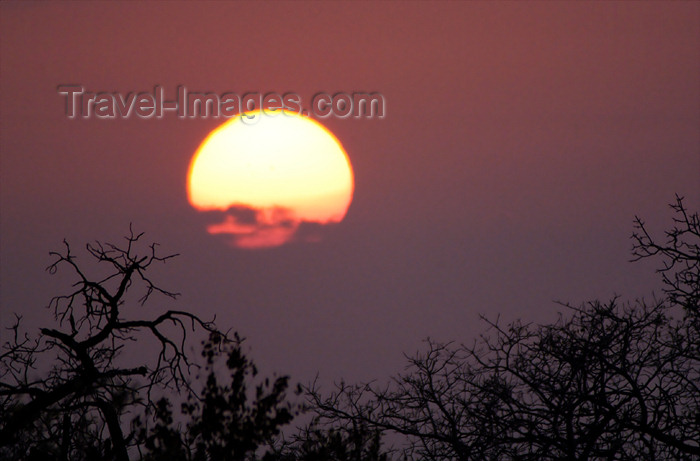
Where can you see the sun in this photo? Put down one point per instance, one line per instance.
(262, 176)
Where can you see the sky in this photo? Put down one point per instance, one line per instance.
(519, 141)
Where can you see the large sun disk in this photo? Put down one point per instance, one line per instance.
(285, 161)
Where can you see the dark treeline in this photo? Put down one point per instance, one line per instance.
(608, 380)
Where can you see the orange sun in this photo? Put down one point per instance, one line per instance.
(264, 175)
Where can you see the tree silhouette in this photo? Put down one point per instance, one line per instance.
(607, 380)
(65, 394)
(610, 380)
(680, 255)
(318, 442)
(226, 422)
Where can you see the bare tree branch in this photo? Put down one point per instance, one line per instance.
(85, 347)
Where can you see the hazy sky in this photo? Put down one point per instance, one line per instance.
(520, 139)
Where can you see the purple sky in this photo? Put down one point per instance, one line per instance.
(519, 142)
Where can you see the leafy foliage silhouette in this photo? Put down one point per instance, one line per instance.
(226, 422)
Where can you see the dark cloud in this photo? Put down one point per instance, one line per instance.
(243, 226)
